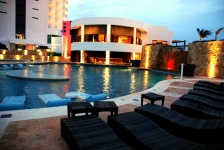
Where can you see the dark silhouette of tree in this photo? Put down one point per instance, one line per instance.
(218, 31)
(2, 46)
(203, 33)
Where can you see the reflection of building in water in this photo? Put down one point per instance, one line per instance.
(132, 83)
(106, 83)
(81, 80)
(68, 73)
(146, 79)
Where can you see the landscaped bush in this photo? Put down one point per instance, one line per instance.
(53, 54)
(42, 47)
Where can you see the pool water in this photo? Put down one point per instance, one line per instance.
(91, 79)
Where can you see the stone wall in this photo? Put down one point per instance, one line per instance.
(208, 58)
(162, 57)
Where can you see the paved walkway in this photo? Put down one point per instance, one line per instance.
(171, 89)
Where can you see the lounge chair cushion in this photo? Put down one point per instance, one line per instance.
(12, 103)
(98, 97)
(59, 102)
(90, 132)
(196, 110)
(77, 94)
(13, 106)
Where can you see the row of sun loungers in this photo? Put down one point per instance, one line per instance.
(154, 127)
(202, 102)
(198, 130)
(148, 127)
(143, 133)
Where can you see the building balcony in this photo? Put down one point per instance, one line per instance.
(106, 46)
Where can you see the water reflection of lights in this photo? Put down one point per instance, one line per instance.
(81, 81)
(169, 77)
(146, 79)
(132, 83)
(106, 76)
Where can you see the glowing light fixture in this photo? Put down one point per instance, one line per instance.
(147, 56)
(213, 56)
(25, 52)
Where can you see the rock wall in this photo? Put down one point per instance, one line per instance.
(208, 58)
(162, 57)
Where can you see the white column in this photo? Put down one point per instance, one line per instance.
(133, 56)
(82, 40)
(134, 36)
(82, 33)
(82, 52)
(107, 57)
(108, 32)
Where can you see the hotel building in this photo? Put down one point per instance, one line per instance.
(27, 24)
(112, 40)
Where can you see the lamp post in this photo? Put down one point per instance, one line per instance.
(181, 71)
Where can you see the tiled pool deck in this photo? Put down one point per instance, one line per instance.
(171, 89)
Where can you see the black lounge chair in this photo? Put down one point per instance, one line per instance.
(90, 132)
(198, 130)
(211, 83)
(214, 87)
(208, 95)
(196, 110)
(142, 133)
(210, 90)
(203, 101)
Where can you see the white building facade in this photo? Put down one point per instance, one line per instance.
(26, 24)
(116, 40)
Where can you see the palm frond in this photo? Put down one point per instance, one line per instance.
(203, 33)
(198, 30)
(219, 30)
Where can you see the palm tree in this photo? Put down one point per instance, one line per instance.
(203, 33)
(218, 31)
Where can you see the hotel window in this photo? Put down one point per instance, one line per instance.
(3, 12)
(35, 9)
(34, 17)
(3, 2)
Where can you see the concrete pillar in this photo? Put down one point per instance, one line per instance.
(108, 33)
(134, 36)
(82, 33)
(82, 52)
(82, 56)
(133, 56)
(107, 57)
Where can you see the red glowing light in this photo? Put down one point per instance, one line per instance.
(170, 64)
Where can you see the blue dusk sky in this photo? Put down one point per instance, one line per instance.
(180, 16)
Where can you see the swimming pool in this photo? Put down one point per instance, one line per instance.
(114, 81)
